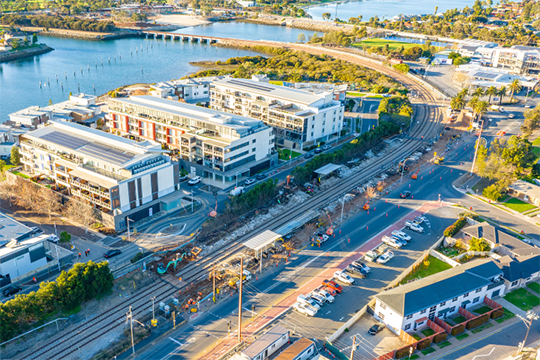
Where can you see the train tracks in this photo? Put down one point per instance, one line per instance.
(64, 345)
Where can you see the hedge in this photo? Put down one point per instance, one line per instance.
(457, 330)
(440, 337)
(423, 344)
(495, 314)
(482, 319)
(455, 227)
(403, 352)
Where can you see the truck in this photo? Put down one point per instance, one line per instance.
(372, 255)
(233, 282)
(237, 191)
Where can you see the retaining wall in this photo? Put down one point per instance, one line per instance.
(444, 258)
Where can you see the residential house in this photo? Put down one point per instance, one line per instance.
(30, 117)
(9, 137)
(192, 90)
(265, 345)
(301, 349)
(207, 142)
(525, 191)
(299, 118)
(519, 271)
(505, 243)
(80, 108)
(119, 177)
(409, 306)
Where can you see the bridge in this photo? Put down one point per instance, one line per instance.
(182, 37)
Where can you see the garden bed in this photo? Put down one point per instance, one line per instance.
(434, 266)
(451, 251)
(507, 314)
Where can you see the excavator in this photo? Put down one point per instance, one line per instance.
(438, 160)
(189, 255)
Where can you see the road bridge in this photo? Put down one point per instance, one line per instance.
(182, 37)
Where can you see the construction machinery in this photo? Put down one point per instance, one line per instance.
(438, 160)
(415, 175)
(193, 253)
(330, 230)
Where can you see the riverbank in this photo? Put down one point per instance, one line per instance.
(299, 23)
(6, 56)
(82, 35)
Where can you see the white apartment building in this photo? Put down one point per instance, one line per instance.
(30, 117)
(208, 143)
(192, 90)
(409, 306)
(300, 118)
(120, 177)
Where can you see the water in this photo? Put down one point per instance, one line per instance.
(385, 9)
(160, 61)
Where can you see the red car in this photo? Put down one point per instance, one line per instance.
(333, 285)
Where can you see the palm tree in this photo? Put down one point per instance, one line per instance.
(514, 87)
(491, 91)
(481, 108)
(472, 104)
(501, 93)
(463, 92)
(457, 103)
(479, 92)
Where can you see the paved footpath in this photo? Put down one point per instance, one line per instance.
(284, 305)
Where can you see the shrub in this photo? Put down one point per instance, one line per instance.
(495, 314)
(403, 68)
(455, 227)
(403, 352)
(440, 337)
(492, 192)
(65, 237)
(426, 263)
(107, 231)
(479, 245)
(423, 344)
(482, 319)
(138, 256)
(457, 330)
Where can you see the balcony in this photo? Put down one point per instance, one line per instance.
(495, 284)
(27, 161)
(91, 199)
(90, 188)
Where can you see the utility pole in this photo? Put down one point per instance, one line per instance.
(229, 327)
(477, 145)
(214, 282)
(353, 347)
(153, 308)
(528, 319)
(240, 301)
(342, 204)
(130, 316)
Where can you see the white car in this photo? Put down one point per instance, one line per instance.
(343, 278)
(323, 238)
(195, 180)
(511, 116)
(391, 242)
(419, 220)
(414, 227)
(53, 238)
(308, 301)
(304, 309)
(400, 234)
(319, 299)
(329, 298)
(327, 147)
(384, 258)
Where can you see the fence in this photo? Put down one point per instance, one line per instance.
(121, 271)
(444, 258)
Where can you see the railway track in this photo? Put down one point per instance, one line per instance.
(64, 345)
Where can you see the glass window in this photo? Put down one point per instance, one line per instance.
(467, 294)
(443, 303)
(407, 327)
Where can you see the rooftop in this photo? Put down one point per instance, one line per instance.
(496, 235)
(526, 188)
(295, 349)
(518, 268)
(432, 290)
(265, 341)
(11, 229)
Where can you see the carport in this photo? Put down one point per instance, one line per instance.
(261, 242)
(326, 171)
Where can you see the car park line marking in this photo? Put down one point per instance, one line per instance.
(341, 318)
(328, 312)
(176, 341)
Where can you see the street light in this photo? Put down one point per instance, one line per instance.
(527, 320)
(477, 145)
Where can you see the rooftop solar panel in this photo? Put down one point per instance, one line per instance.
(486, 75)
(250, 85)
(107, 153)
(64, 140)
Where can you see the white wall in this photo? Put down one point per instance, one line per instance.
(21, 265)
(392, 319)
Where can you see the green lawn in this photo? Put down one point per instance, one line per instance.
(284, 154)
(480, 328)
(416, 337)
(429, 350)
(484, 309)
(435, 266)
(444, 344)
(21, 175)
(428, 332)
(355, 93)
(536, 151)
(506, 315)
(459, 319)
(462, 336)
(536, 142)
(393, 45)
(518, 205)
(415, 357)
(534, 286)
(523, 299)
(375, 97)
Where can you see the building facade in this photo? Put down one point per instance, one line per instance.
(299, 118)
(207, 142)
(117, 176)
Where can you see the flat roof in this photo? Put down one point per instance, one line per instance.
(327, 169)
(297, 348)
(263, 239)
(265, 341)
(296, 223)
(526, 188)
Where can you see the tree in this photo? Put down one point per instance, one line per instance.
(34, 38)
(326, 16)
(491, 91)
(50, 200)
(478, 92)
(480, 108)
(457, 102)
(472, 104)
(492, 192)
(531, 122)
(65, 237)
(501, 93)
(81, 212)
(301, 37)
(514, 87)
(476, 244)
(207, 9)
(15, 158)
(15, 43)
(2, 167)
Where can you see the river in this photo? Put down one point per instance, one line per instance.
(384, 8)
(153, 61)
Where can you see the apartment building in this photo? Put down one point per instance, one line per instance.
(119, 177)
(407, 307)
(208, 143)
(299, 118)
(192, 90)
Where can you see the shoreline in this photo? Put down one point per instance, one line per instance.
(298, 23)
(20, 54)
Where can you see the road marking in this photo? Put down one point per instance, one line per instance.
(176, 341)
(341, 318)
(328, 312)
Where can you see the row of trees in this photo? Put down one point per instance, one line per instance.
(411, 53)
(459, 102)
(83, 282)
(259, 195)
(397, 109)
(57, 22)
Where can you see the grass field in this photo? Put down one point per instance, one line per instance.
(429, 350)
(435, 266)
(523, 299)
(534, 286)
(536, 151)
(462, 336)
(381, 42)
(482, 310)
(284, 154)
(518, 205)
(506, 315)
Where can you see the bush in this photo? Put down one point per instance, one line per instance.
(404, 352)
(138, 256)
(403, 68)
(423, 344)
(65, 237)
(493, 192)
(495, 314)
(479, 245)
(455, 227)
(440, 337)
(107, 231)
(259, 195)
(457, 329)
(482, 319)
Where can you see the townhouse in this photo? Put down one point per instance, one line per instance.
(119, 177)
(409, 306)
(299, 118)
(209, 143)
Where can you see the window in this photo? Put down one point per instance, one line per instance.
(476, 299)
(467, 294)
(478, 290)
(432, 308)
(254, 149)
(409, 317)
(407, 327)
(254, 141)
(383, 306)
(454, 299)
(443, 303)
(452, 309)
(423, 311)
(515, 283)
(380, 315)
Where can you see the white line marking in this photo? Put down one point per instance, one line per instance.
(176, 341)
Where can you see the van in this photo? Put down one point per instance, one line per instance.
(237, 191)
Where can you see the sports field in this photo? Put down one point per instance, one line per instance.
(394, 45)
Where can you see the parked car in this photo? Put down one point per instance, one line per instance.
(344, 278)
(375, 329)
(308, 301)
(414, 227)
(355, 270)
(391, 242)
(318, 150)
(400, 234)
(511, 116)
(323, 293)
(384, 258)
(249, 182)
(53, 238)
(419, 220)
(322, 237)
(195, 180)
(405, 194)
(361, 265)
(111, 253)
(308, 156)
(329, 290)
(304, 309)
(11, 290)
(327, 147)
(319, 299)
(401, 241)
(333, 285)
(261, 176)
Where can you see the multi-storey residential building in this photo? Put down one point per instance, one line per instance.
(408, 306)
(192, 90)
(208, 143)
(120, 177)
(300, 118)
